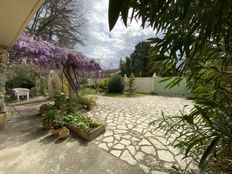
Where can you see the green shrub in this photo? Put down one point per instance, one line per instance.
(85, 100)
(87, 91)
(116, 84)
(19, 82)
(103, 86)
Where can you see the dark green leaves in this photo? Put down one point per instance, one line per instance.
(117, 7)
(208, 152)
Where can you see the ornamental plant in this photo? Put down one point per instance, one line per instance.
(74, 65)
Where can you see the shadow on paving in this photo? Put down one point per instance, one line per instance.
(22, 130)
(27, 148)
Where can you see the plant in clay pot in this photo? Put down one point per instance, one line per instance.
(87, 102)
(57, 125)
(48, 117)
(64, 133)
(43, 108)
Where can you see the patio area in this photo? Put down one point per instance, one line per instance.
(128, 135)
(128, 146)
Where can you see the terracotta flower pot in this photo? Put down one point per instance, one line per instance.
(46, 124)
(64, 133)
(55, 132)
(3, 120)
(43, 108)
(90, 106)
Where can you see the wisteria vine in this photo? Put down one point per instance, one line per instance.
(73, 64)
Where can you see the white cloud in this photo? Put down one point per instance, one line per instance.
(107, 46)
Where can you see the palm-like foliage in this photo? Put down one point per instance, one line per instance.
(197, 42)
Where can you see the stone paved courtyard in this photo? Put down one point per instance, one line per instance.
(128, 135)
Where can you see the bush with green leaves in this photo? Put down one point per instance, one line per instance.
(116, 84)
(87, 91)
(103, 85)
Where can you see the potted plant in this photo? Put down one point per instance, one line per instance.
(88, 102)
(57, 125)
(64, 133)
(43, 108)
(48, 117)
(83, 126)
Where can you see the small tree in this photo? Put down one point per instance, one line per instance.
(131, 84)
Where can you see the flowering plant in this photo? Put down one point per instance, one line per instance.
(74, 64)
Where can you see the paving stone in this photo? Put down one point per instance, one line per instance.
(109, 144)
(128, 158)
(135, 139)
(144, 142)
(157, 144)
(115, 142)
(130, 126)
(137, 147)
(148, 134)
(131, 149)
(122, 127)
(117, 136)
(140, 130)
(108, 133)
(139, 156)
(165, 155)
(125, 142)
(173, 150)
(103, 146)
(158, 172)
(163, 140)
(119, 146)
(120, 131)
(126, 137)
(148, 149)
(116, 153)
(144, 168)
(108, 139)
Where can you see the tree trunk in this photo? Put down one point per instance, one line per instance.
(3, 61)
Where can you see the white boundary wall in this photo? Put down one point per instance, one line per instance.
(151, 85)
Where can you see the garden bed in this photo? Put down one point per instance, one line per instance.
(87, 135)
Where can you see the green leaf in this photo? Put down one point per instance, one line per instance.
(207, 152)
(114, 9)
(124, 11)
(193, 143)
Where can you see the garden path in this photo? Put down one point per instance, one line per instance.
(128, 135)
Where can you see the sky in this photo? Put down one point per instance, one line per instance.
(108, 47)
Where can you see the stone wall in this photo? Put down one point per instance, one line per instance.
(3, 61)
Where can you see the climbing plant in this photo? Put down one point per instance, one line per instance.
(42, 53)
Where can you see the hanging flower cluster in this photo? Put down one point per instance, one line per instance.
(48, 55)
(45, 54)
